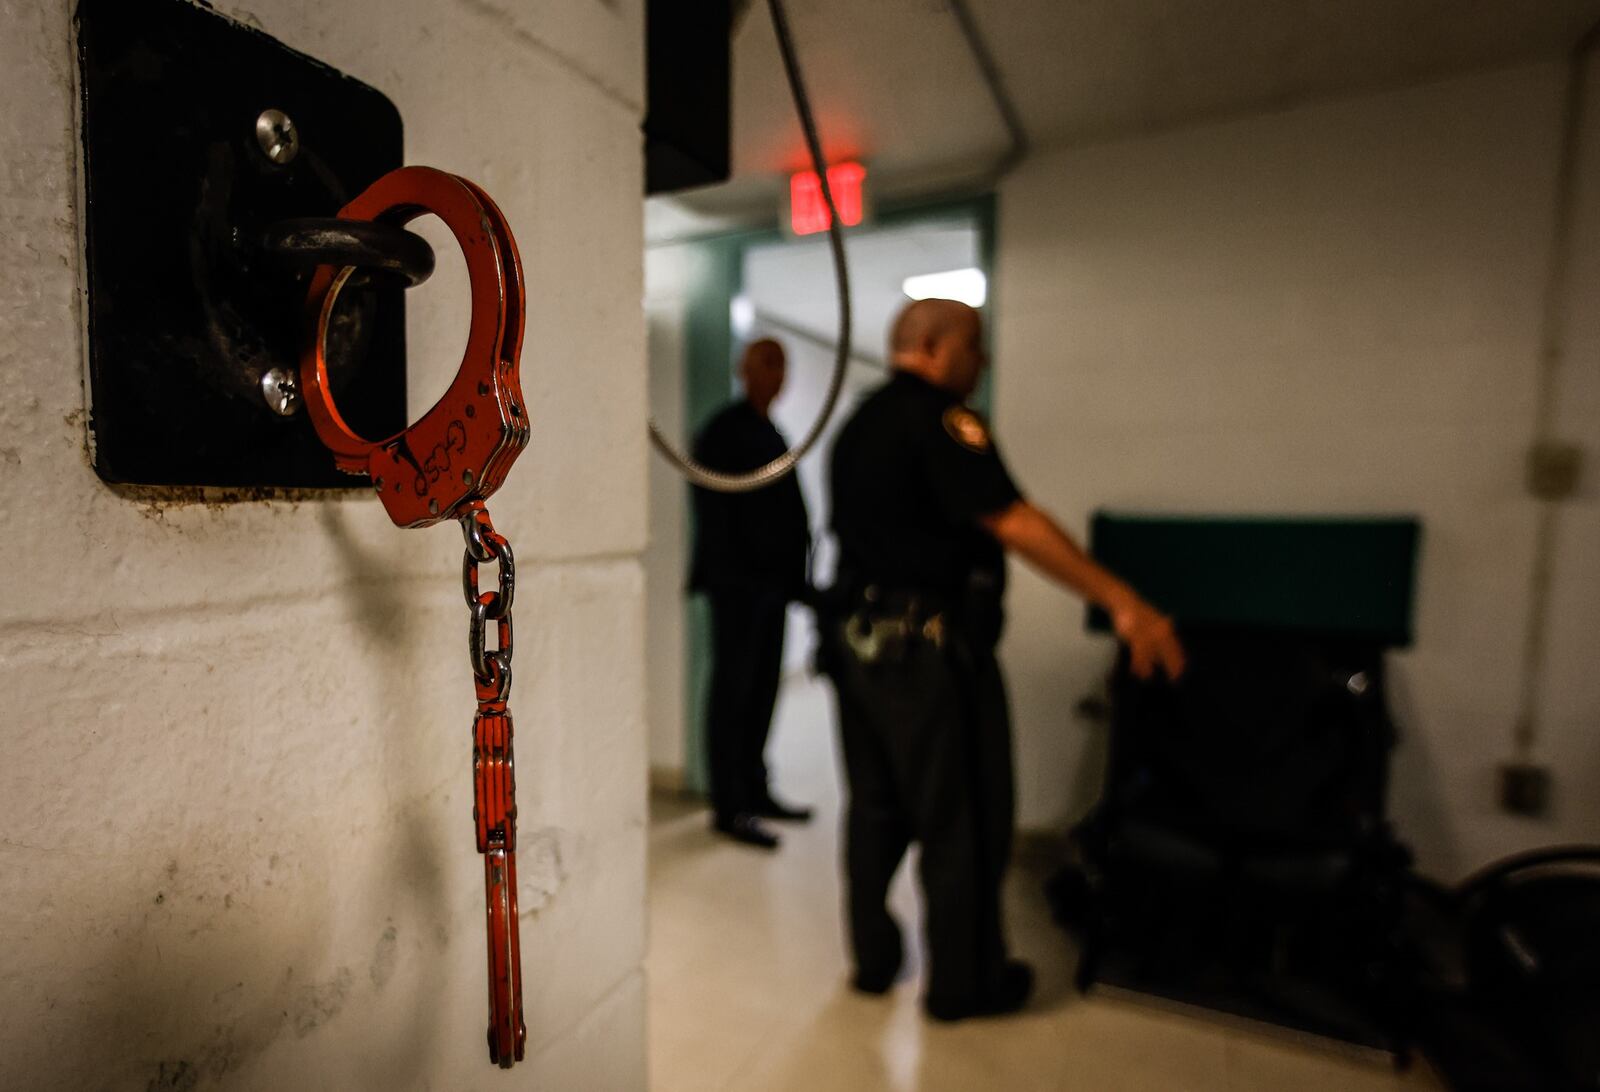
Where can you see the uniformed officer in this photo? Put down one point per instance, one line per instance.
(751, 555)
(924, 509)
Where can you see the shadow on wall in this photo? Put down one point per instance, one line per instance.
(180, 1015)
(184, 1016)
(1417, 802)
(204, 984)
(1089, 766)
(415, 867)
(188, 1007)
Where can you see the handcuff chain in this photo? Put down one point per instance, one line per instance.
(491, 668)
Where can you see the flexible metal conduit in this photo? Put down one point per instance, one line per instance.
(1552, 349)
(992, 79)
(697, 472)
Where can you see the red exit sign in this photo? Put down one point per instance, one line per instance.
(808, 213)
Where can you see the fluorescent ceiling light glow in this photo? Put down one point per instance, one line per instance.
(969, 286)
(742, 316)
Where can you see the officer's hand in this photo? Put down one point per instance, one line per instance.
(1151, 640)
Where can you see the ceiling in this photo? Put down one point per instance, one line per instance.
(893, 82)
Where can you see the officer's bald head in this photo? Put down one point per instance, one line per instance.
(941, 341)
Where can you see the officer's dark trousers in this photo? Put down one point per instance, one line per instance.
(927, 749)
(747, 661)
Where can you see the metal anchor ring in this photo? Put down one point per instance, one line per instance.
(461, 448)
(308, 241)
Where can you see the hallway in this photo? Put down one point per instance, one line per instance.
(747, 973)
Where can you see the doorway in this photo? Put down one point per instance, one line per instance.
(783, 288)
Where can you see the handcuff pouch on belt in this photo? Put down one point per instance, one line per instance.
(884, 628)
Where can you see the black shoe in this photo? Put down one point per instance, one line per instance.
(1009, 994)
(783, 813)
(886, 955)
(875, 983)
(746, 828)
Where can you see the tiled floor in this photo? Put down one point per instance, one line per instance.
(747, 980)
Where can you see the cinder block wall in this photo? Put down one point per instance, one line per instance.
(235, 804)
(1332, 308)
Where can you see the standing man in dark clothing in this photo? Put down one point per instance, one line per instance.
(925, 509)
(751, 554)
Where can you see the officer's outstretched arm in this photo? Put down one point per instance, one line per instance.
(1029, 532)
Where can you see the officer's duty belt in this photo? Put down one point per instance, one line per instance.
(886, 624)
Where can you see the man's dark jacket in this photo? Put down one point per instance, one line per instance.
(757, 541)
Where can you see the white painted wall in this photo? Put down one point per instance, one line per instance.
(235, 806)
(668, 276)
(1329, 309)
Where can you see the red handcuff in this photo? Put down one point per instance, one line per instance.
(445, 466)
(460, 449)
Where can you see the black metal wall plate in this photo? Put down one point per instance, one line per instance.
(186, 314)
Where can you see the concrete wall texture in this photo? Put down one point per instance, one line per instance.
(235, 800)
(1330, 309)
(667, 272)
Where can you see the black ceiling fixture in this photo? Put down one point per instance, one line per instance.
(687, 75)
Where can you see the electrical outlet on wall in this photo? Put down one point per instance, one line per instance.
(1525, 789)
(1554, 469)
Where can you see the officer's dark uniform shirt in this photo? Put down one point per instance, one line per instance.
(755, 540)
(912, 471)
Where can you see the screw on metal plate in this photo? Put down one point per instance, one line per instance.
(279, 389)
(277, 136)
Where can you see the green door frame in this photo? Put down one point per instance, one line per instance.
(709, 348)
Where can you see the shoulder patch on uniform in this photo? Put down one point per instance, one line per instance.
(967, 429)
